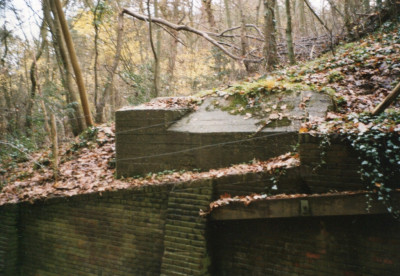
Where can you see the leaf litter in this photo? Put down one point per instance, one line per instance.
(91, 169)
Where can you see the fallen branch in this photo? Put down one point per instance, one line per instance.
(238, 27)
(178, 28)
(387, 101)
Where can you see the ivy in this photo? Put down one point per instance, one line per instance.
(378, 147)
(272, 187)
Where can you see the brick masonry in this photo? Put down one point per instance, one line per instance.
(344, 245)
(8, 240)
(337, 170)
(185, 251)
(129, 232)
(156, 230)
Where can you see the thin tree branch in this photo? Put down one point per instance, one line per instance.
(188, 29)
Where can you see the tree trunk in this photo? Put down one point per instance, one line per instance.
(210, 16)
(109, 86)
(76, 118)
(302, 18)
(347, 18)
(289, 37)
(270, 52)
(54, 146)
(278, 21)
(75, 64)
(97, 14)
(228, 13)
(211, 23)
(257, 11)
(173, 51)
(32, 73)
(156, 49)
(229, 24)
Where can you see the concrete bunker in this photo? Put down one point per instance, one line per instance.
(216, 133)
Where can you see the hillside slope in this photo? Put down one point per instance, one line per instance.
(358, 78)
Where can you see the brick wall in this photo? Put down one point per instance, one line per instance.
(288, 181)
(185, 251)
(8, 240)
(337, 170)
(156, 230)
(118, 233)
(352, 245)
(130, 232)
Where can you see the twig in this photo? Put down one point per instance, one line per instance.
(188, 29)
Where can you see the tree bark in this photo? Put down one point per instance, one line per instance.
(173, 49)
(210, 16)
(347, 18)
(289, 37)
(228, 13)
(257, 11)
(76, 118)
(54, 145)
(156, 66)
(302, 18)
(75, 64)
(270, 52)
(32, 74)
(158, 49)
(278, 21)
(97, 14)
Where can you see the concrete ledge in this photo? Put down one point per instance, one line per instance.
(321, 205)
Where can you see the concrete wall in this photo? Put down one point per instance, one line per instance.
(144, 144)
(349, 245)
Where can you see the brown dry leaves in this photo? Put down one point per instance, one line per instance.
(246, 200)
(171, 103)
(362, 74)
(88, 171)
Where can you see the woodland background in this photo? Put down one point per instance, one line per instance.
(129, 62)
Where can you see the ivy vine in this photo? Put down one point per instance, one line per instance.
(377, 143)
(376, 140)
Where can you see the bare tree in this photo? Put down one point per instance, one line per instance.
(270, 51)
(289, 37)
(32, 73)
(75, 64)
(76, 118)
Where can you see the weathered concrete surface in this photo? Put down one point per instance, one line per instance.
(318, 206)
(152, 140)
(212, 118)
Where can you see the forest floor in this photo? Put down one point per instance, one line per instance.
(358, 77)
